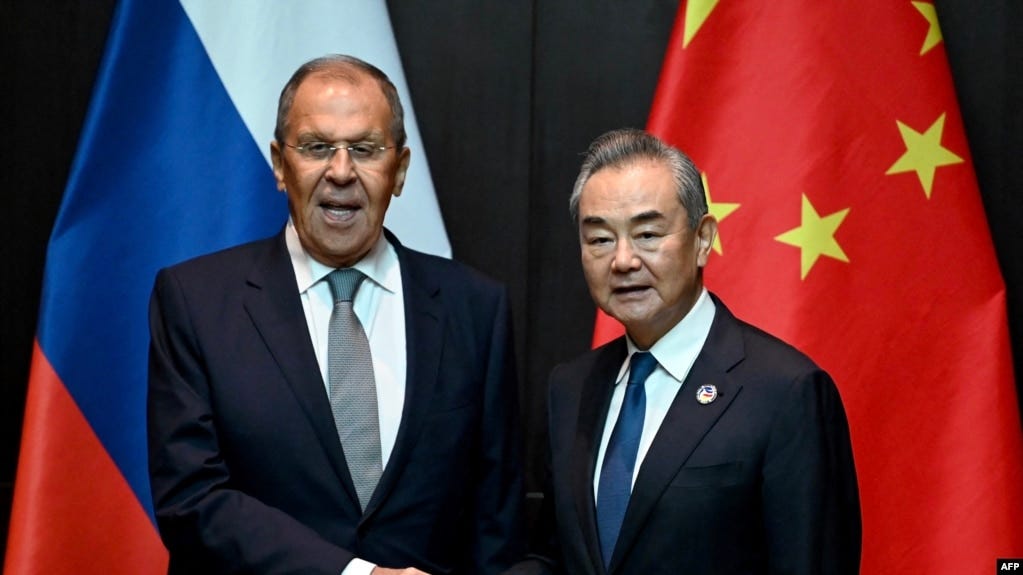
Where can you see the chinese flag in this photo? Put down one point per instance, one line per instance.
(851, 226)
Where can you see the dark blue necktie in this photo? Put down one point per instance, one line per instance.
(620, 456)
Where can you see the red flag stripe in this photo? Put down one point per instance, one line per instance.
(73, 510)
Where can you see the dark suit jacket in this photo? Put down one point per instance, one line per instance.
(247, 471)
(759, 481)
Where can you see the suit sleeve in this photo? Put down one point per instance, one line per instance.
(208, 525)
(499, 484)
(810, 498)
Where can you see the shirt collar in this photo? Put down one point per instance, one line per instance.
(676, 350)
(380, 264)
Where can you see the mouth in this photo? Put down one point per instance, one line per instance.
(626, 291)
(339, 211)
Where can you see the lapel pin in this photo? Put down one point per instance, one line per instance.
(706, 394)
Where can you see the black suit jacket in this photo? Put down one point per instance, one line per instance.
(761, 480)
(247, 471)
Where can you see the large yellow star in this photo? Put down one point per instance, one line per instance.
(816, 237)
(924, 153)
(697, 12)
(719, 210)
(934, 32)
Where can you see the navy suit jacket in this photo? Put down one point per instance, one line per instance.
(247, 470)
(761, 480)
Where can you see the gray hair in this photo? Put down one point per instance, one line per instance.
(344, 67)
(621, 148)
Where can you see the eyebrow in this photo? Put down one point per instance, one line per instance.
(647, 216)
(317, 136)
(642, 217)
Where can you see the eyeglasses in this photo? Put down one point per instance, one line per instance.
(361, 153)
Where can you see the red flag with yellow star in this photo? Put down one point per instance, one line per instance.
(851, 226)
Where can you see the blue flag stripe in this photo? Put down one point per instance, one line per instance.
(165, 170)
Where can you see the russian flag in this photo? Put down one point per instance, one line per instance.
(173, 162)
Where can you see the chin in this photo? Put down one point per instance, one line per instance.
(627, 313)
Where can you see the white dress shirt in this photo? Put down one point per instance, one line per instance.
(675, 353)
(379, 305)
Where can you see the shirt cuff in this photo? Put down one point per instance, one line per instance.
(359, 567)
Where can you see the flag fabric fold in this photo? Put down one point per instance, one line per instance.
(850, 225)
(172, 162)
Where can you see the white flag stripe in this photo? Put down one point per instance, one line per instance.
(255, 46)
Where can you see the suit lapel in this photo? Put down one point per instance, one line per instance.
(273, 303)
(593, 406)
(424, 328)
(684, 426)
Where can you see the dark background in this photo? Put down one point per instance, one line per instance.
(508, 94)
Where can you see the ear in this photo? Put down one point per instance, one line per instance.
(278, 164)
(706, 231)
(399, 176)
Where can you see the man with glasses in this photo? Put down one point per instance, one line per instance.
(327, 400)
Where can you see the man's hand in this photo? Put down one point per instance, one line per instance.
(406, 571)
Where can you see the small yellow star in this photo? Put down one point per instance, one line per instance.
(697, 12)
(719, 210)
(816, 237)
(934, 32)
(924, 153)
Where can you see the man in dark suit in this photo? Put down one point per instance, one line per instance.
(259, 461)
(730, 453)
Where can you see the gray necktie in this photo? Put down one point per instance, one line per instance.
(353, 392)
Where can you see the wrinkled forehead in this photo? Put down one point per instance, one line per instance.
(630, 189)
(333, 97)
(344, 73)
(339, 80)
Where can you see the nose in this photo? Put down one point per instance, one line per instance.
(625, 258)
(340, 168)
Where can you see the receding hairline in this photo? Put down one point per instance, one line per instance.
(339, 72)
(346, 69)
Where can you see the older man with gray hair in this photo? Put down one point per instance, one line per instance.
(696, 443)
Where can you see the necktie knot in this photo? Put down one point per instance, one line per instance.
(344, 282)
(641, 366)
